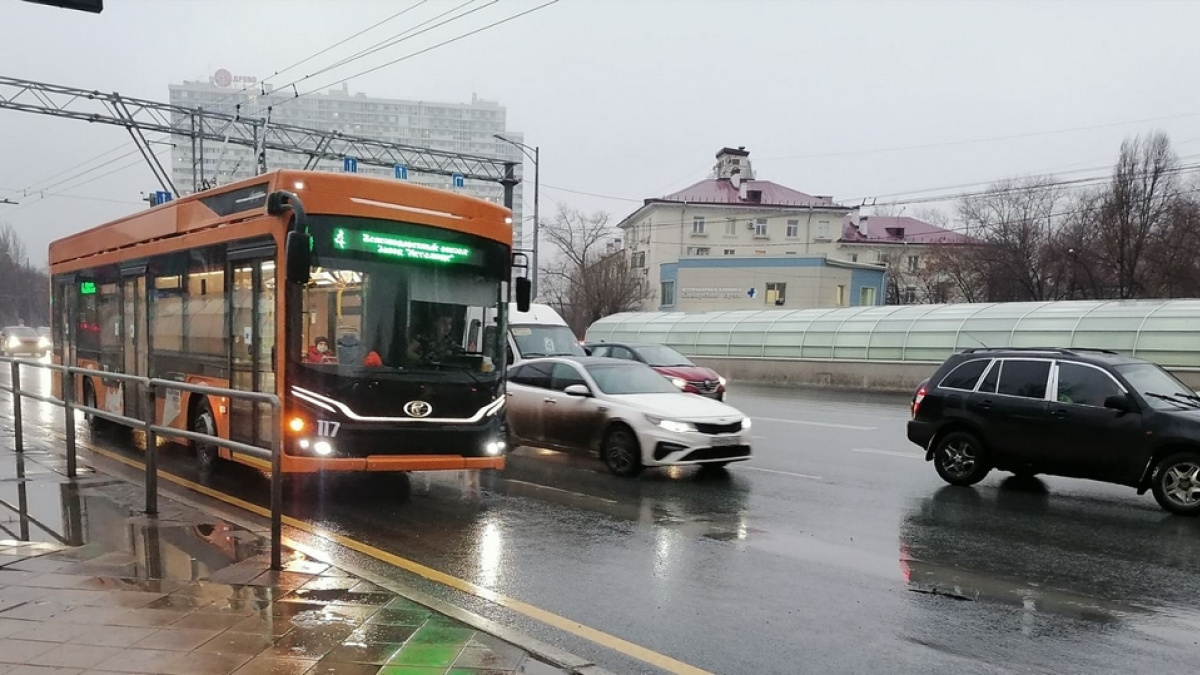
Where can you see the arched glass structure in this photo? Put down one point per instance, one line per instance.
(1166, 332)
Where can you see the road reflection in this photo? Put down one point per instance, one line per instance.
(103, 515)
(1074, 557)
(694, 501)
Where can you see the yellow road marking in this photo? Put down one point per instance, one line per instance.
(612, 642)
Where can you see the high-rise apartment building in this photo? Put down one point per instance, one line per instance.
(468, 128)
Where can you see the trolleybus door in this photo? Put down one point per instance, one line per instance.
(253, 340)
(135, 329)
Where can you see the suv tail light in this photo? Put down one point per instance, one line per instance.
(917, 400)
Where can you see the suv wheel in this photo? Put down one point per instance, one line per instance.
(960, 458)
(1176, 484)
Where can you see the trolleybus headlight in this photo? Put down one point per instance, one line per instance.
(296, 424)
(323, 448)
(304, 443)
(494, 447)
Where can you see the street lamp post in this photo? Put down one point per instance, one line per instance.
(535, 157)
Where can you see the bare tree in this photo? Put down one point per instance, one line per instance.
(1135, 209)
(24, 290)
(591, 277)
(1017, 222)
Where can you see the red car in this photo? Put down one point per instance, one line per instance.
(671, 364)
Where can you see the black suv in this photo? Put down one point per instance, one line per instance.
(1062, 412)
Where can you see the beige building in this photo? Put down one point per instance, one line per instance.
(735, 217)
(796, 282)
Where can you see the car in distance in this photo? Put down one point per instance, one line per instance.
(624, 411)
(1063, 412)
(676, 367)
(23, 341)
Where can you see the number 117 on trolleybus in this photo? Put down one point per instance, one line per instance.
(374, 309)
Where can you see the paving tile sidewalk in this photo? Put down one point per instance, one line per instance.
(190, 594)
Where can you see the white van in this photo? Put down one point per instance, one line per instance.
(539, 332)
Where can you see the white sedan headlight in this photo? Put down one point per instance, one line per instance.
(44, 343)
(671, 425)
(14, 342)
(745, 423)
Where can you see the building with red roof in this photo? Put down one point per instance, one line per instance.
(747, 222)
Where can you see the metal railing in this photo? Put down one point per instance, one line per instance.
(151, 387)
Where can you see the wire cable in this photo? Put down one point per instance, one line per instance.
(426, 50)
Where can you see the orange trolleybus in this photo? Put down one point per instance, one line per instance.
(374, 309)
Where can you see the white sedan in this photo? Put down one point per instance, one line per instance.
(624, 410)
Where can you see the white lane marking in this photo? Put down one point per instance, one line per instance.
(782, 473)
(890, 453)
(814, 424)
(547, 487)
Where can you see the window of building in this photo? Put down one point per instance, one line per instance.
(941, 292)
(730, 227)
(793, 229)
(840, 295)
(913, 262)
(853, 257)
(637, 260)
(698, 225)
(866, 296)
(823, 229)
(1026, 379)
(760, 252)
(776, 293)
(760, 227)
(668, 293)
(698, 250)
(730, 251)
(910, 295)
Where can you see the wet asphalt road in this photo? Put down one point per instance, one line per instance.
(837, 549)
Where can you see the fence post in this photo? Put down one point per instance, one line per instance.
(276, 490)
(151, 454)
(18, 436)
(68, 397)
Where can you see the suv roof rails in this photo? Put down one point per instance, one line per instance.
(1051, 350)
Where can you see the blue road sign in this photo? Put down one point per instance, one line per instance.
(751, 293)
(350, 165)
(459, 181)
(401, 172)
(162, 197)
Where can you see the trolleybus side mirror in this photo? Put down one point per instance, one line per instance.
(524, 294)
(299, 257)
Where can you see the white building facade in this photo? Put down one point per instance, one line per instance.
(467, 128)
(730, 215)
(753, 236)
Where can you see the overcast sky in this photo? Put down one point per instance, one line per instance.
(632, 98)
